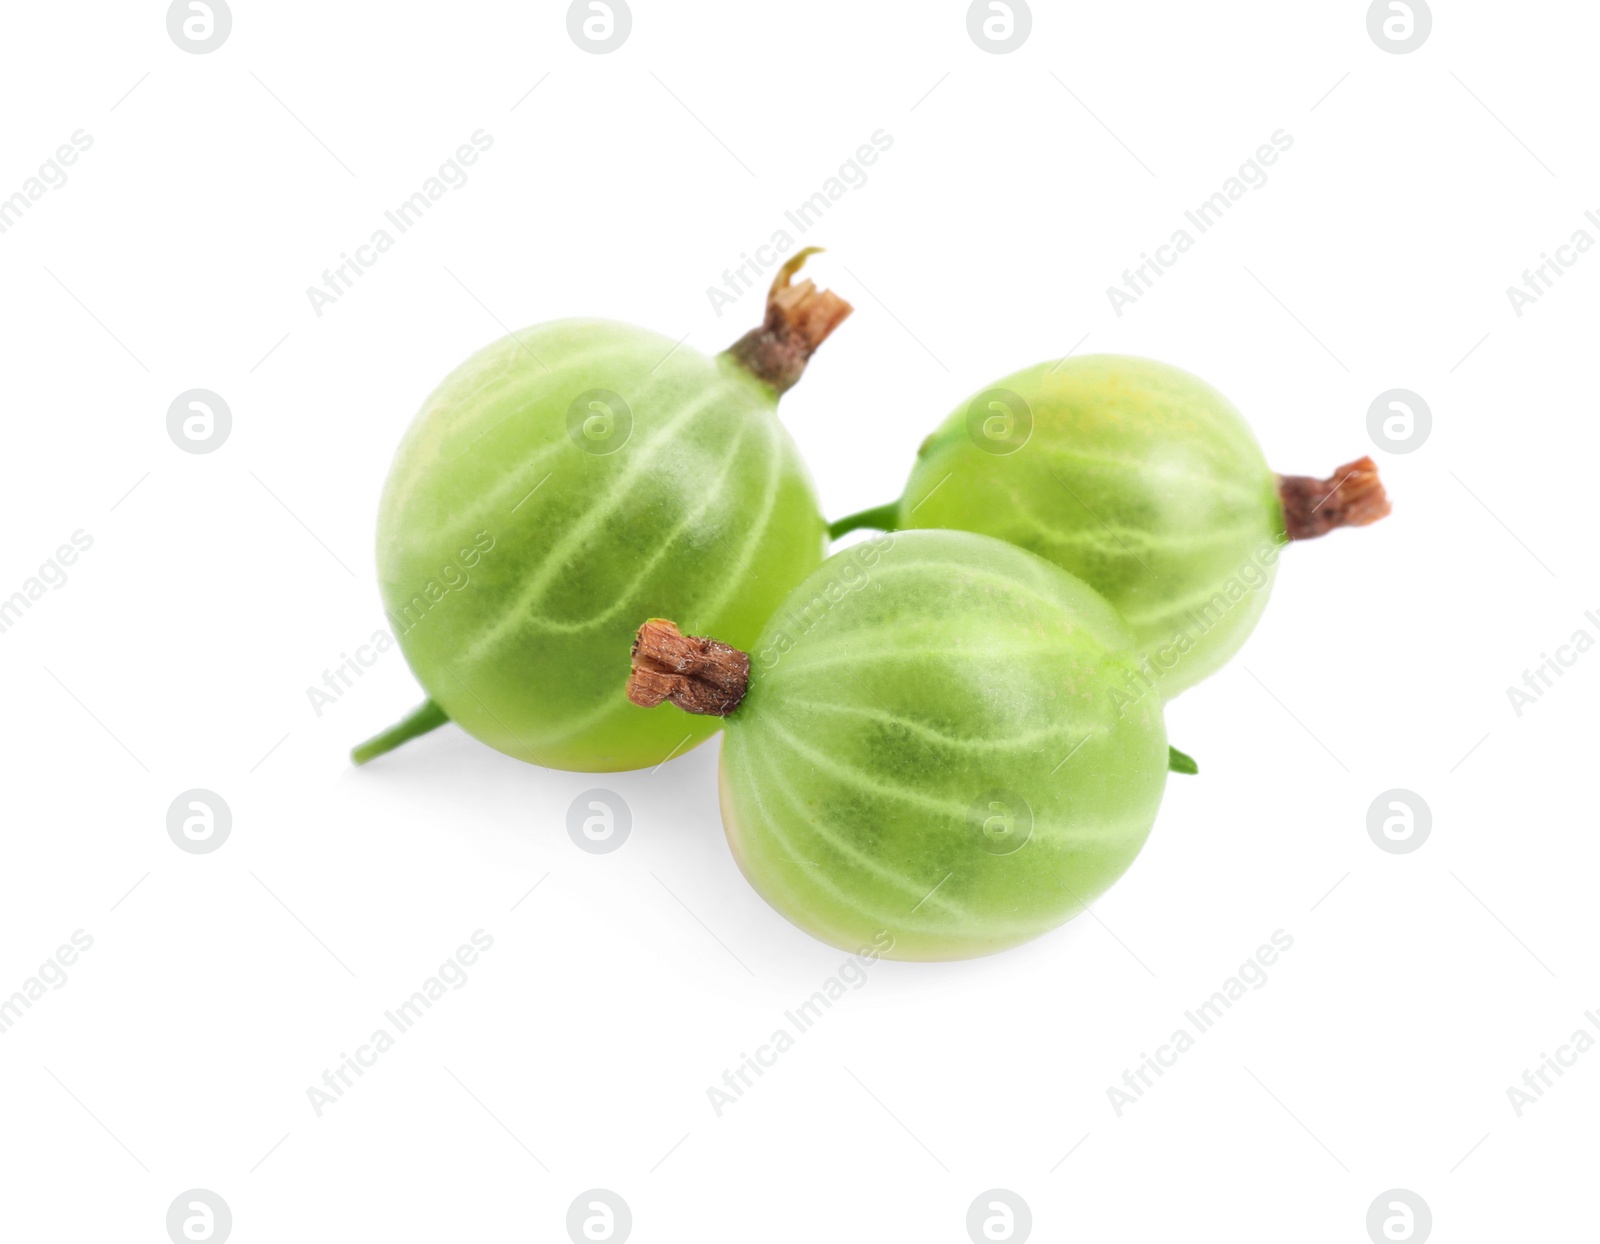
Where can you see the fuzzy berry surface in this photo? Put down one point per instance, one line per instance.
(931, 748)
(1137, 477)
(531, 518)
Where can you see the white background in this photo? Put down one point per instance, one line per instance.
(1018, 188)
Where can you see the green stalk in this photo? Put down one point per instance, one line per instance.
(879, 518)
(429, 716)
(1177, 762)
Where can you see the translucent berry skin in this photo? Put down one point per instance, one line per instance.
(523, 532)
(930, 749)
(1137, 477)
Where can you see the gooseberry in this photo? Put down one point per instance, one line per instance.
(925, 742)
(567, 480)
(1142, 480)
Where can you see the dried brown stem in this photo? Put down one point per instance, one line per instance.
(1352, 496)
(798, 320)
(699, 675)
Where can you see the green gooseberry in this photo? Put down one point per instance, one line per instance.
(571, 478)
(924, 748)
(1143, 481)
